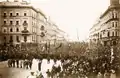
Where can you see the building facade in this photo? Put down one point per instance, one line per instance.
(22, 23)
(107, 28)
(55, 34)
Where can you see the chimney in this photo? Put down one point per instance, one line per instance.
(114, 2)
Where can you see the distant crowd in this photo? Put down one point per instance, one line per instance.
(72, 66)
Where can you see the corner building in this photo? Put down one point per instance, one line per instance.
(20, 23)
(107, 28)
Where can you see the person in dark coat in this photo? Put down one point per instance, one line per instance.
(13, 61)
(17, 62)
(30, 64)
(39, 65)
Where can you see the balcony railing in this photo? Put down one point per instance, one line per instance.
(25, 24)
(112, 19)
(25, 32)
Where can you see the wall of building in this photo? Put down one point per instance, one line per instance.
(107, 28)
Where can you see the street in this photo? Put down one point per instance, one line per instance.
(6, 72)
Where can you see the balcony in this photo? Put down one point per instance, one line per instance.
(25, 24)
(42, 34)
(110, 38)
(25, 32)
(112, 19)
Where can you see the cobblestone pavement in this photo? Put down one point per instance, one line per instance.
(6, 72)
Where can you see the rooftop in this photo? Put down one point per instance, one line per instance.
(22, 4)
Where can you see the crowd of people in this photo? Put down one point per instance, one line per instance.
(20, 63)
(72, 66)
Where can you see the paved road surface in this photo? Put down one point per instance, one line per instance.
(12, 72)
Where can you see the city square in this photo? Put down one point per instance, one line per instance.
(32, 45)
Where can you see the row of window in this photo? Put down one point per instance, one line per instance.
(113, 34)
(11, 14)
(11, 38)
(108, 34)
(114, 15)
(11, 30)
(17, 38)
(114, 24)
(17, 23)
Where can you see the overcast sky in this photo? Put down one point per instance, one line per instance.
(72, 15)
